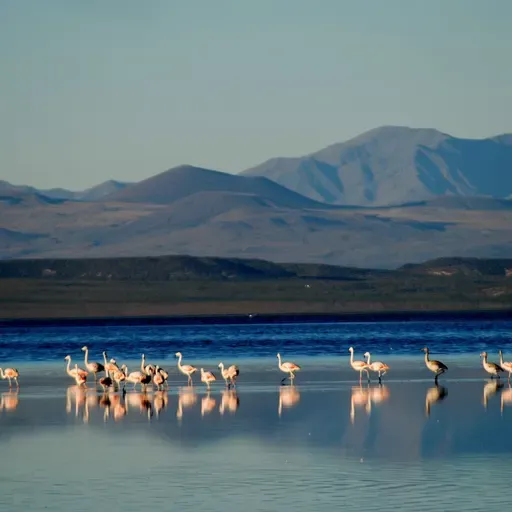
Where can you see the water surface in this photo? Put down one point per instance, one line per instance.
(326, 442)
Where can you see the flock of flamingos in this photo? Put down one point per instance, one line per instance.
(115, 376)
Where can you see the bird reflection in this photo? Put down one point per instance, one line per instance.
(506, 397)
(187, 397)
(141, 401)
(77, 394)
(229, 401)
(289, 397)
(160, 401)
(434, 394)
(359, 397)
(490, 389)
(115, 405)
(207, 404)
(9, 401)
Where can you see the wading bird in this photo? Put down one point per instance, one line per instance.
(377, 366)
(80, 378)
(207, 378)
(94, 368)
(287, 367)
(492, 368)
(506, 365)
(10, 374)
(229, 374)
(186, 369)
(75, 370)
(434, 366)
(359, 366)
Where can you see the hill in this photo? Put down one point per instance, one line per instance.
(183, 285)
(395, 165)
(238, 224)
(186, 180)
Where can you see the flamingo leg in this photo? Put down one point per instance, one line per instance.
(17, 383)
(10, 384)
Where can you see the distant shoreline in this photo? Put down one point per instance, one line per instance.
(385, 316)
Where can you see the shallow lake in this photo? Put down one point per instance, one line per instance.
(328, 441)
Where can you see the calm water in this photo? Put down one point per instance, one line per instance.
(325, 442)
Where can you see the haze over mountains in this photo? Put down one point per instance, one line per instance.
(415, 195)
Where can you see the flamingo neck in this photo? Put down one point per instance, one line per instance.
(351, 356)
(179, 361)
(2, 373)
(68, 367)
(86, 356)
(484, 359)
(501, 357)
(426, 357)
(369, 356)
(142, 364)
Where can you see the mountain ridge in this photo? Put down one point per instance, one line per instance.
(394, 165)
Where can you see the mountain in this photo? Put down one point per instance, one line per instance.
(95, 193)
(101, 191)
(186, 180)
(395, 165)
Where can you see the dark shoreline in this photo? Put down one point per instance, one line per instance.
(398, 316)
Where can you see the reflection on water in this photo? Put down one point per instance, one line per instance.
(289, 397)
(187, 398)
(434, 394)
(9, 401)
(332, 443)
(229, 401)
(490, 389)
(207, 404)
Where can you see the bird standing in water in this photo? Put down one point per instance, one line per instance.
(434, 366)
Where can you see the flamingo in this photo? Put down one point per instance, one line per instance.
(376, 366)
(111, 366)
(506, 365)
(434, 366)
(229, 374)
(158, 378)
(165, 375)
(119, 376)
(287, 367)
(10, 374)
(94, 368)
(359, 366)
(207, 378)
(133, 377)
(492, 368)
(73, 372)
(147, 369)
(186, 369)
(80, 378)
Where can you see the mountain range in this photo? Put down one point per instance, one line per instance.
(391, 196)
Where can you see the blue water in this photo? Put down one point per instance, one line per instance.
(256, 341)
(326, 442)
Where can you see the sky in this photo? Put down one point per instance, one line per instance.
(124, 89)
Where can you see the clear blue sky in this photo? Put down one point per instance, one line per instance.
(124, 89)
